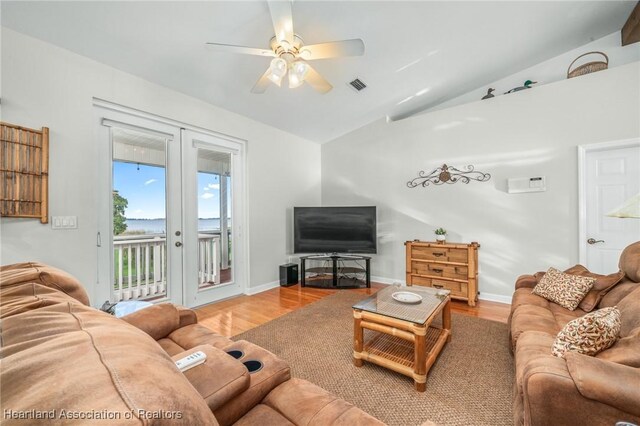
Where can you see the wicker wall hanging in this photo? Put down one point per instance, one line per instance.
(448, 174)
(24, 170)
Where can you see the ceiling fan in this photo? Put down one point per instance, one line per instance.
(290, 54)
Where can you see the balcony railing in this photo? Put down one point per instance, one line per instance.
(141, 265)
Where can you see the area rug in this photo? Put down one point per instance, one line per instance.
(470, 383)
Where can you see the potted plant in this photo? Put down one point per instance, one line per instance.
(441, 235)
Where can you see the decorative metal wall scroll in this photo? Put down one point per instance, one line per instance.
(450, 175)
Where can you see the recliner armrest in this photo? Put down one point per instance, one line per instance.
(219, 379)
(160, 320)
(187, 316)
(611, 383)
(526, 281)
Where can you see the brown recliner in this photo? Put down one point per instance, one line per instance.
(578, 389)
(62, 358)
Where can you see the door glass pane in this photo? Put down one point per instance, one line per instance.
(139, 215)
(214, 218)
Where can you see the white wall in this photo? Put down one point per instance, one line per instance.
(43, 85)
(555, 69)
(529, 133)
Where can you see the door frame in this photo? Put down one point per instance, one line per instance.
(113, 111)
(582, 202)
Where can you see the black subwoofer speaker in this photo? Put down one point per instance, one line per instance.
(288, 274)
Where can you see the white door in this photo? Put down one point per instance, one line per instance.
(213, 216)
(610, 176)
(140, 223)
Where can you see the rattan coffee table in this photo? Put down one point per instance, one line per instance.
(401, 336)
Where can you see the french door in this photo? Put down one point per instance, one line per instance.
(213, 176)
(170, 225)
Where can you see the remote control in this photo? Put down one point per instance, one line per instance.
(191, 361)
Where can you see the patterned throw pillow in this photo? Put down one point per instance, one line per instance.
(589, 334)
(603, 284)
(564, 289)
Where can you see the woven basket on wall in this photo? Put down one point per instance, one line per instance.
(589, 67)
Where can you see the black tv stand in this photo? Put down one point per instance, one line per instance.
(339, 274)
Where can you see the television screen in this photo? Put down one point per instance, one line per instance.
(334, 230)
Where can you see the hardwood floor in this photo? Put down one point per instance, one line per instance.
(242, 313)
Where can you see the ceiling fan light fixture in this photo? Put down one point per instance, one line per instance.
(297, 73)
(278, 67)
(294, 81)
(275, 79)
(278, 70)
(289, 53)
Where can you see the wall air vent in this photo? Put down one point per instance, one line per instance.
(357, 84)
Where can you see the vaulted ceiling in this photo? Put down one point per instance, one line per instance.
(437, 50)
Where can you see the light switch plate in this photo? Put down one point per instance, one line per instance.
(64, 222)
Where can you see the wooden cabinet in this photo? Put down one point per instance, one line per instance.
(452, 266)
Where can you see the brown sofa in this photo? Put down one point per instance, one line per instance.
(62, 360)
(580, 389)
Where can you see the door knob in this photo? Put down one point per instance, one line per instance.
(178, 244)
(594, 241)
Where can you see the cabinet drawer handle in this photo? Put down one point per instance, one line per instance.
(438, 286)
(438, 254)
(437, 270)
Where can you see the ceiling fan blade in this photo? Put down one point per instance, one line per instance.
(317, 81)
(282, 20)
(219, 47)
(333, 49)
(262, 83)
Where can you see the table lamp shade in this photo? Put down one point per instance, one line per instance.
(630, 208)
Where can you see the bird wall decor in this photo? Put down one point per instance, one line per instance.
(527, 85)
(489, 94)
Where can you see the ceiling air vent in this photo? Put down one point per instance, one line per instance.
(357, 84)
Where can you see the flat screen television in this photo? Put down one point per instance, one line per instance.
(334, 230)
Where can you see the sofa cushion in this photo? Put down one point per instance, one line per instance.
(34, 272)
(532, 318)
(625, 351)
(304, 403)
(630, 261)
(533, 353)
(589, 334)
(24, 297)
(170, 347)
(629, 308)
(619, 292)
(524, 296)
(563, 316)
(603, 284)
(194, 335)
(564, 289)
(263, 415)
